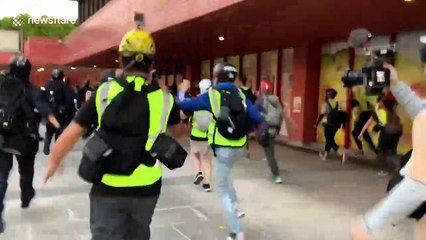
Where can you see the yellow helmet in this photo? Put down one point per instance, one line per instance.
(137, 43)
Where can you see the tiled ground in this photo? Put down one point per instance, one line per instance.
(317, 202)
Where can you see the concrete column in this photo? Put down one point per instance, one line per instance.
(193, 73)
(258, 69)
(307, 63)
(279, 72)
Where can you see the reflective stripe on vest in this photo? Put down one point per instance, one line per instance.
(198, 133)
(160, 105)
(214, 137)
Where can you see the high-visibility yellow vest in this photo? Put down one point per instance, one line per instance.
(381, 115)
(214, 137)
(195, 132)
(160, 105)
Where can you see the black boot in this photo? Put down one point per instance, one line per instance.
(26, 200)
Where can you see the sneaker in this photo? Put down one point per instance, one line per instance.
(323, 155)
(207, 188)
(46, 151)
(241, 214)
(278, 179)
(232, 236)
(26, 202)
(198, 178)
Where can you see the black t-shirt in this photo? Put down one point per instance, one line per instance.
(87, 117)
(364, 116)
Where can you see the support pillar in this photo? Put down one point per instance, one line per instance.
(258, 69)
(193, 74)
(307, 64)
(279, 72)
(241, 63)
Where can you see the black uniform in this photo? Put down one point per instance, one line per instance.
(18, 130)
(60, 105)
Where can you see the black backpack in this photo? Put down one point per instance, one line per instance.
(335, 116)
(124, 129)
(233, 120)
(118, 146)
(11, 97)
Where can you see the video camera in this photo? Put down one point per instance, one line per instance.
(373, 76)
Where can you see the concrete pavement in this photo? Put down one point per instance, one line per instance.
(317, 201)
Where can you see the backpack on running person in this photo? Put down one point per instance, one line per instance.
(202, 120)
(118, 146)
(233, 120)
(11, 96)
(335, 116)
(273, 111)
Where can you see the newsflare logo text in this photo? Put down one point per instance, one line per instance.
(20, 21)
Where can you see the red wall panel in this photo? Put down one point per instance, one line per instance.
(306, 84)
(43, 51)
(4, 59)
(77, 76)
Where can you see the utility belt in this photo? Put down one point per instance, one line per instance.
(100, 156)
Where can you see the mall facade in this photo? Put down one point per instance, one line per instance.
(299, 45)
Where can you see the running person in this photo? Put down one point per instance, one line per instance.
(200, 150)
(331, 122)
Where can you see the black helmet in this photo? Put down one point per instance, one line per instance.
(423, 54)
(20, 66)
(225, 72)
(58, 74)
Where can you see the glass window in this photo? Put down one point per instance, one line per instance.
(269, 67)
(249, 70)
(205, 69)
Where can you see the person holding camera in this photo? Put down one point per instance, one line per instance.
(410, 193)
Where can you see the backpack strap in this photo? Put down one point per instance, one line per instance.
(331, 107)
(104, 92)
(243, 97)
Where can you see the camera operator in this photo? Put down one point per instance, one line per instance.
(411, 192)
